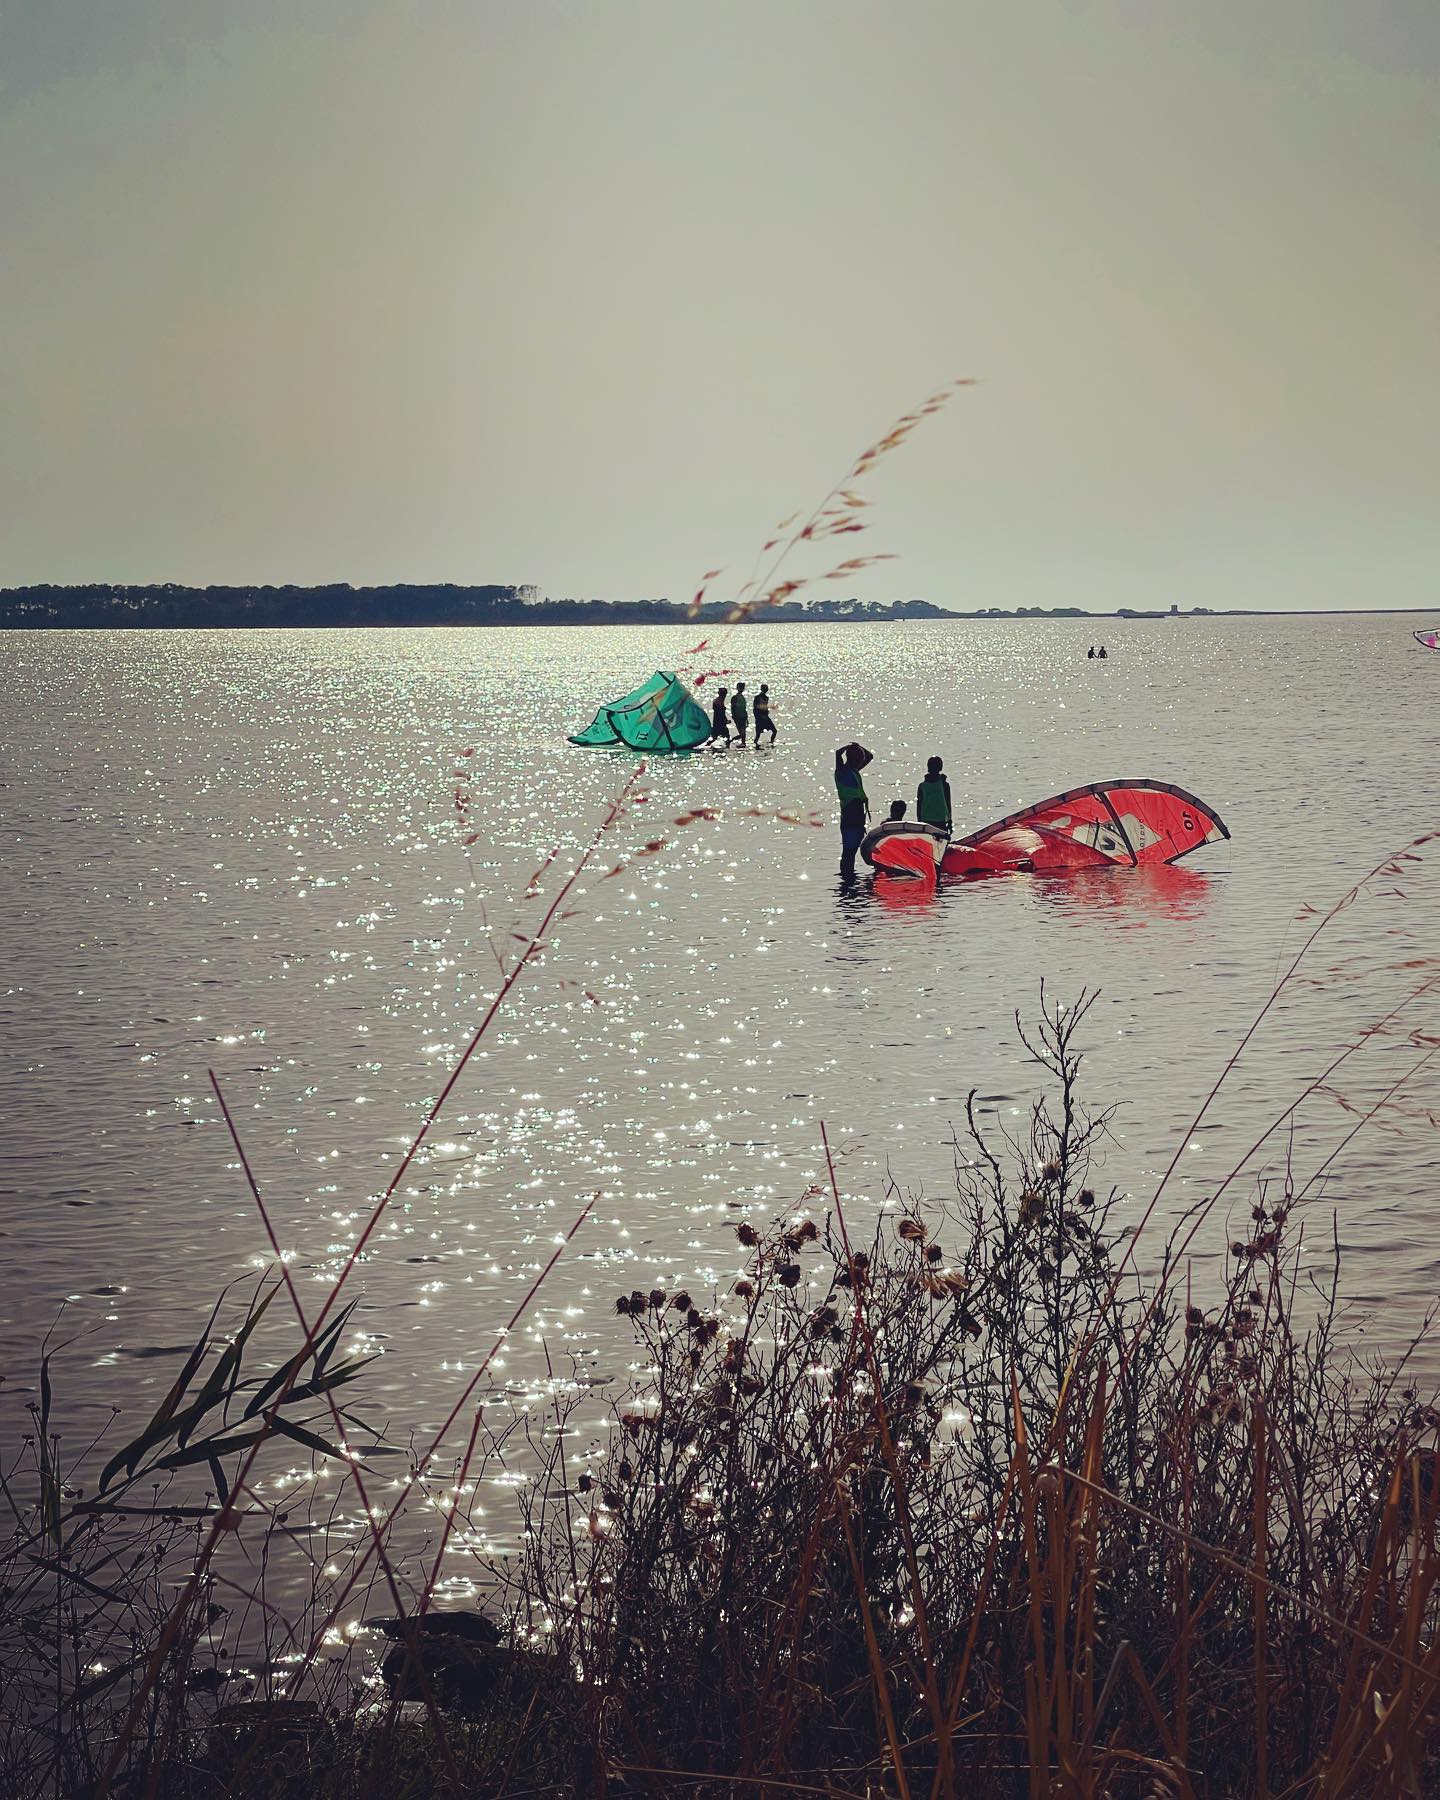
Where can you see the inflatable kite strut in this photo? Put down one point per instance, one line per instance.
(660, 716)
(1430, 639)
(1109, 825)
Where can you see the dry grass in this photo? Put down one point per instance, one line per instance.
(871, 1523)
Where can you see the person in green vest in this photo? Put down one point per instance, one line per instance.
(850, 759)
(740, 712)
(932, 797)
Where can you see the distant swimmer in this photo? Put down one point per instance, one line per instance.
(740, 712)
(850, 759)
(720, 718)
(1101, 657)
(1090, 654)
(763, 721)
(932, 797)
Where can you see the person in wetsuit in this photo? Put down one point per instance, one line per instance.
(1090, 654)
(1103, 653)
(850, 759)
(932, 797)
(740, 712)
(897, 812)
(763, 721)
(719, 718)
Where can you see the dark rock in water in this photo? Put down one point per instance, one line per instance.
(461, 1677)
(267, 1721)
(457, 1653)
(208, 1680)
(468, 1627)
(461, 1657)
(271, 1712)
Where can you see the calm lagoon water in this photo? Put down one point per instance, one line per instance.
(240, 850)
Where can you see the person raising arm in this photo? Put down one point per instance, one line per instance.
(850, 759)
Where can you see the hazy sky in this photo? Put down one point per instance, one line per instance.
(590, 294)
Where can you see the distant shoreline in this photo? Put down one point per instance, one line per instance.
(166, 606)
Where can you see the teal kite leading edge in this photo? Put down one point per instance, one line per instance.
(661, 715)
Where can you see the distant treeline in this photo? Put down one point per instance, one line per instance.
(168, 604)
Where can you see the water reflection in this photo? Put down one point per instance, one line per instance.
(1142, 896)
(902, 893)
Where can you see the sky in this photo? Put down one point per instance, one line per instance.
(590, 293)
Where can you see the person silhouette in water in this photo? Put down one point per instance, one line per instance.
(1090, 654)
(932, 797)
(850, 759)
(897, 812)
(719, 719)
(740, 712)
(1102, 653)
(763, 721)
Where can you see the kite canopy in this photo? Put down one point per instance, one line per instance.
(659, 716)
(1430, 639)
(1114, 824)
(1111, 824)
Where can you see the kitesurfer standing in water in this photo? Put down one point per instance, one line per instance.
(932, 797)
(740, 712)
(763, 721)
(850, 759)
(719, 719)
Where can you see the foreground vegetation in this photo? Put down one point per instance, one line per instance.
(968, 1506)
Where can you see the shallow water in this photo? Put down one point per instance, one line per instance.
(241, 851)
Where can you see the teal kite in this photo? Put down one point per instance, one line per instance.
(660, 716)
